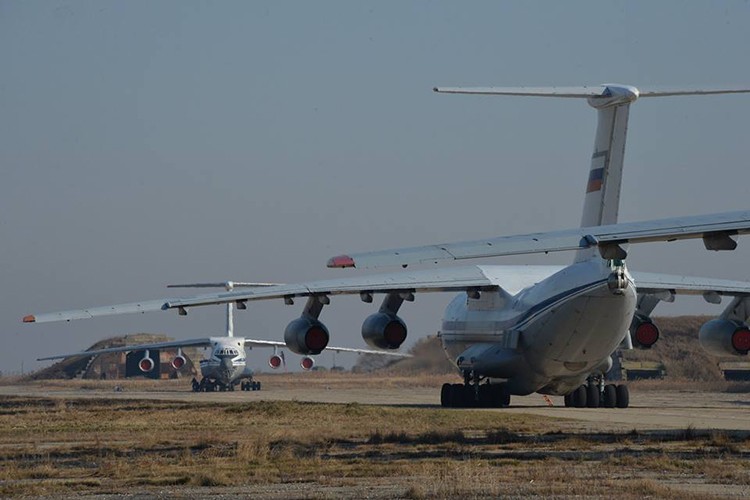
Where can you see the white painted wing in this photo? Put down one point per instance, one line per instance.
(136, 347)
(688, 285)
(676, 228)
(511, 278)
(274, 343)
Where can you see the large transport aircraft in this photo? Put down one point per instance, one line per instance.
(226, 365)
(515, 330)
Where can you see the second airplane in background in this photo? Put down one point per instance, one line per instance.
(226, 363)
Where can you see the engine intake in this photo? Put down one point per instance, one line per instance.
(275, 361)
(307, 363)
(643, 332)
(723, 337)
(306, 335)
(178, 362)
(146, 364)
(384, 330)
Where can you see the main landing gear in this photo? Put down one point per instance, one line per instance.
(207, 385)
(474, 394)
(251, 385)
(595, 394)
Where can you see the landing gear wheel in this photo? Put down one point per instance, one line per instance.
(499, 396)
(196, 386)
(458, 396)
(592, 396)
(486, 394)
(609, 399)
(578, 397)
(623, 396)
(567, 399)
(445, 396)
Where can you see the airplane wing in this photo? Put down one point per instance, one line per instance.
(688, 285)
(137, 347)
(274, 343)
(469, 278)
(716, 231)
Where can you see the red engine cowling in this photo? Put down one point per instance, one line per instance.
(146, 364)
(178, 362)
(384, 330)
(307, 363)
(275, 361)
(643, 332)
(723, 337)
(306, 335)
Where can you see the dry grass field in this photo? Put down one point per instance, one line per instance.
(65, 438)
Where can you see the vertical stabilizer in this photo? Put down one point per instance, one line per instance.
(612, 102)
(602, 201)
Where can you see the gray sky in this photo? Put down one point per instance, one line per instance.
(146, 143)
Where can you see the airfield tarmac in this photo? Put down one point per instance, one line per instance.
(650, 409)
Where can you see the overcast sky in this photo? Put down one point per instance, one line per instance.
(147, 143)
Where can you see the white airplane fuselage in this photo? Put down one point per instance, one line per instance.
(547, 337)
(227, 362)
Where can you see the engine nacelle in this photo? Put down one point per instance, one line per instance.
(643, 332)
(178, 362)
(307, 363)
(146, 364)
(306, 335)
(723, 337)
(384, 330)
(275, 361)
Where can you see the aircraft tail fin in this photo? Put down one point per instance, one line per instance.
(612, 102)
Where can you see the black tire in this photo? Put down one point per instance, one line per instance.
(592, 396)
(500, 396)
(445, 396)
(623, 396)
(486, 393)
(458, 396)
(578, 397)
(257, 384)
(609, 399)
(567, 399)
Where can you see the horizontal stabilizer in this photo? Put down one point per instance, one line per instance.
(604, 90)
(583, 91)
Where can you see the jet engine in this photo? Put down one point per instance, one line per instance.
(146, 364)
(307, 363)
(723, 337)
(275, 361)
(306, 335)
(178, 362)
(643, 332)
(384, 330)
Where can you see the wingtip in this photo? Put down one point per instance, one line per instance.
(341, 261)
(29, 319)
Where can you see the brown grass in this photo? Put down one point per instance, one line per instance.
(72, 446)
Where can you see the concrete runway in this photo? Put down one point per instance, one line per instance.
(649, 410)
